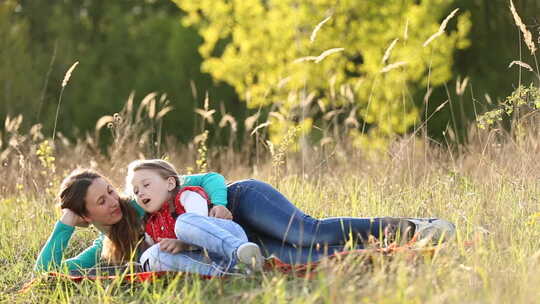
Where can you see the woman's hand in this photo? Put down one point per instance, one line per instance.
(220, 212)
(72, 219)
(173, 246)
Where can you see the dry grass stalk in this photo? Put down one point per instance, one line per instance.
(527, 36)
(440, 107)
(283, 82)
(265, 124)
(206, 115)
(129, 102)
(64, 83)
(12, 125)
(321, 57)
(317, 28)
(461, 85)
(406, 31)
(68, 74)
(388, 51)
(228, 119)
(277, 116)
(488, 98)
(441, 28)
(330, 114)
(152, 109)
(249, 123)
(145, 104)
(103, 121)
(392, 66)
(521, 64)
(325, 141)
(351, 120)
(428, 95)
(164, 112)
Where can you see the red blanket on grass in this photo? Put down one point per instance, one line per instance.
(272, 264)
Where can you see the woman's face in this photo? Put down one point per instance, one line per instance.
(102, 204)
(151, 189)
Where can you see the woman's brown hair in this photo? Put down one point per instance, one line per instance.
(121, 241)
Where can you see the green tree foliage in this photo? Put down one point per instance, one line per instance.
(122, 46)
(495, 43)
(264, 40)
(19, 84)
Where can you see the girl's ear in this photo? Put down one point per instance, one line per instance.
(171, 183)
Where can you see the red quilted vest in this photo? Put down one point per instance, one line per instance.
(160, 224)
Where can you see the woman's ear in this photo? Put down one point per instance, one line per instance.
(87, 219)
(171, 183)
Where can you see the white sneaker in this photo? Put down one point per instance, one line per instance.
(432, 230)
(250, 254)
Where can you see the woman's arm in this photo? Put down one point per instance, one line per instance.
(140, 211)
(52, 253)
(213, 183)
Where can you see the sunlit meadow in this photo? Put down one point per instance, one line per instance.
(489, 186)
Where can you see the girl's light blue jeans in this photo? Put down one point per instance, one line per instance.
(216, 242)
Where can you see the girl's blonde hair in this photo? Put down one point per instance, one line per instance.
(162, 167)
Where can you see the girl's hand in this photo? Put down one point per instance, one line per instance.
(173, 246)
(72, 219)
(220, 212)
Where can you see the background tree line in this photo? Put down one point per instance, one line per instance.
(243, 54)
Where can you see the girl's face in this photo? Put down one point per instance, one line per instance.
(150, 189)
(102, 204)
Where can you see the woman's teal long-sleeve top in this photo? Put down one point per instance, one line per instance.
(52, 253)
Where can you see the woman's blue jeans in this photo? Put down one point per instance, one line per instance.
(220, 239)
(272, 221)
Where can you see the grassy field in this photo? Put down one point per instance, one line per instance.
(490, 190)
(489, 187)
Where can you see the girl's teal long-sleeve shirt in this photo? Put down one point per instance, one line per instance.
(52, 253)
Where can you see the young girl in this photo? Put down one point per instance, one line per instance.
(178, 217)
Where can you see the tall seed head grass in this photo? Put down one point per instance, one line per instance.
(442, 28)
(521, 64)
(320, 57)
(279, 155)
(318, 28)
(67, 76)
(527, 36)
(388, 51)
(206, 113)
(393, 66)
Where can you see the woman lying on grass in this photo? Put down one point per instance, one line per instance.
(88, 198)
(267, 217)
